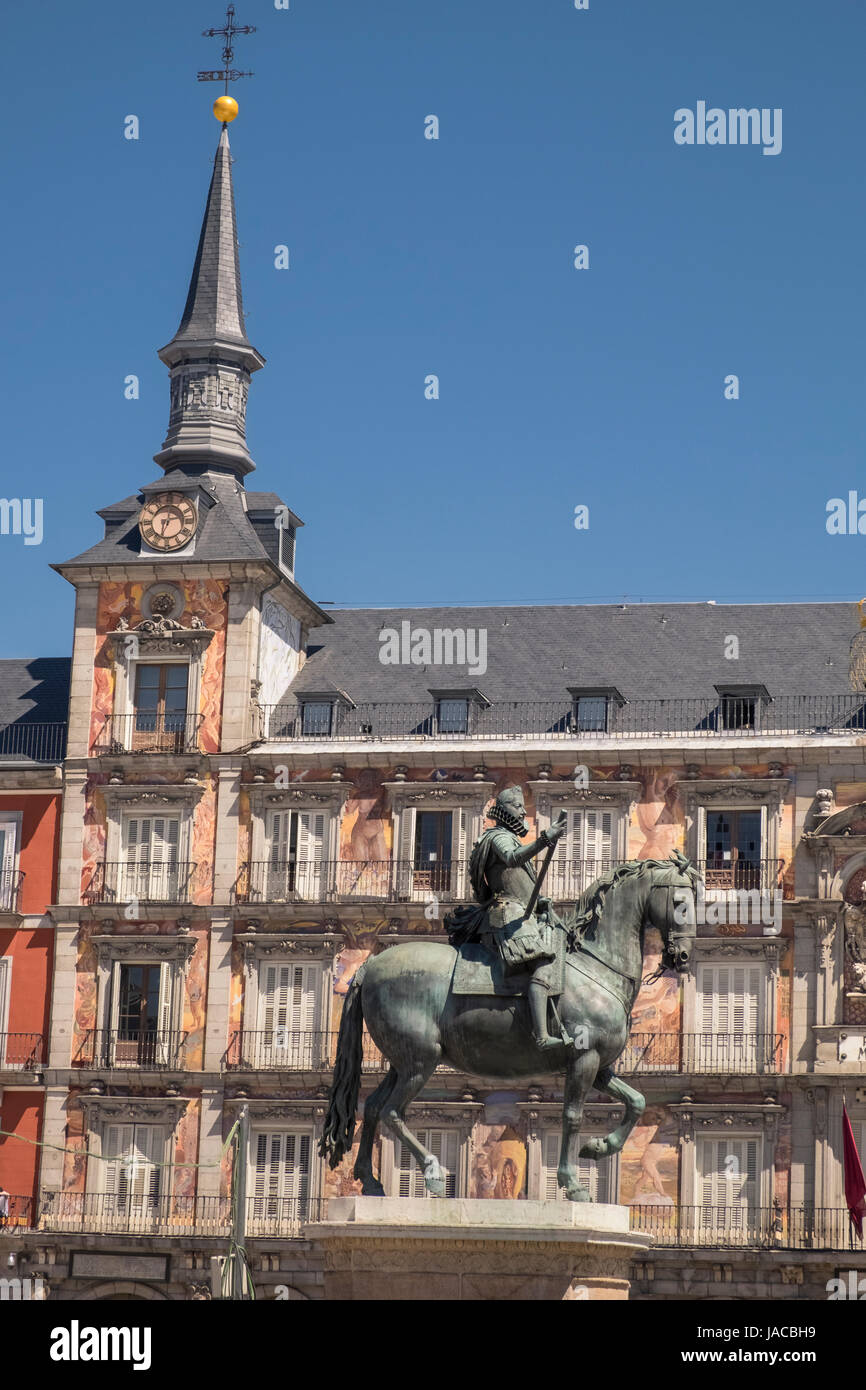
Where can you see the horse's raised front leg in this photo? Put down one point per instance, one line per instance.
(635, 1105)
(405, 1089)
(579, 1078)
(363, 1170)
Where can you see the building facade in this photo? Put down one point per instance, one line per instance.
(257, 794)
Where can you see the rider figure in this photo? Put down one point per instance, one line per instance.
(503, 879)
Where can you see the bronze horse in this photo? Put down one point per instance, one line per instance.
(404, 996)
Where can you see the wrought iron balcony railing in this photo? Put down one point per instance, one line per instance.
(146, 732)
(36, 743)
(744, 876)
(285, 1049)
(157, 1050)
(171, 882)
(326, 880)
(722, 717)
(747, 1227)
(21, 1051)
(722, 1054)
(148, 1213)
(10, 889)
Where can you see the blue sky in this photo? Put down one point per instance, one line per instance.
(558, 387)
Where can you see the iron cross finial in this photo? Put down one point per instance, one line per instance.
(226, 73)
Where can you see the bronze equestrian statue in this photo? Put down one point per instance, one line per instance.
(405, 997)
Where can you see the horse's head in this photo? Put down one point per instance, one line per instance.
(670, 908)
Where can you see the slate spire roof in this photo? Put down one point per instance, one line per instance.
(210, 357)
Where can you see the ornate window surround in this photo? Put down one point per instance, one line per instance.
(149, 799)
(714, 1121)
(306, 1116)
(326, 797)
(468, 799)
(459, 1116)
(700, 795)
(308, 949)
(740, 950)
(112, 951)
(157, 639)
(541, 1117)
(619, 797)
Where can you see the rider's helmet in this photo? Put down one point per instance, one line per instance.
(509, 811)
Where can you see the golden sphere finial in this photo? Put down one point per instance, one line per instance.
(225, 108)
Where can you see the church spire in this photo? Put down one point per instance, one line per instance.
(210, 358)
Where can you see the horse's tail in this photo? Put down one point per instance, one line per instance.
(339, 1130)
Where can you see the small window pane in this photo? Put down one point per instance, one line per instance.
(453, 716)
(591, 714)
(317, 717)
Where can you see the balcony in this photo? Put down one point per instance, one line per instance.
(149, 733)
(21, 1051)
(694, 1054)
(122, 1048)
(747, 1228)
(743, 876)
(720, 717)
(150, 883)
(284, 1049)
(354, 880)
(74, 1213)
(10, 889)
(32, 743)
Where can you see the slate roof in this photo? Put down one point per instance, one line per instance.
(34, 690)
(645, 651)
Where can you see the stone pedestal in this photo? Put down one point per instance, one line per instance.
(453, 1248)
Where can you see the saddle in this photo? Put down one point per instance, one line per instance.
(479, 970)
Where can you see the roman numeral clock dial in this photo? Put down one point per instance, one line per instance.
(168, 522)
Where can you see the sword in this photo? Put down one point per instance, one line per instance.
(543, 870)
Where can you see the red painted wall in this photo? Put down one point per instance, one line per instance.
(21, 1112)
(40, 828)
(31, 965)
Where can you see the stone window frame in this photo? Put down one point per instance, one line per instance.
(6, 965)
(302, 950)
(468, 800)
(101, 1111)
(113, 950)
(543, 1117)
(304, 1116)
(620, 797)
(131, 647)
(460, 1117)
(265, 797)
(149, 799)
(766, 794)
(713, 1120)
(733, 951)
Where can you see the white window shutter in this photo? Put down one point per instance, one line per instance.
(444, 1145)
(596, 1177)
(116, 1146)
(552, 1141)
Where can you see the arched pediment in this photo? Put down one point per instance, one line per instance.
(850, 821)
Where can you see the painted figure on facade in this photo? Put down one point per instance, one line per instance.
(503, 881)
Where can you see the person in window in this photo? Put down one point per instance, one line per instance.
(503, 879)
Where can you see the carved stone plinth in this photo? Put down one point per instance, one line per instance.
(387, 1248)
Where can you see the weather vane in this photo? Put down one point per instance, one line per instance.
(225, 108)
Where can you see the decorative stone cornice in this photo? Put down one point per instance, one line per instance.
(267, 795)
(461, 1114)
(267, 1108)
(620, 794)
(761, 1117)
(150, 793)
(547, 1114)
(439, 793)
(179, 947)
(159, 636)
(727, 948)
(257, 946)
(156, 1109)
(746, 791)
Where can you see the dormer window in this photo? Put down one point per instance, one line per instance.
(317, 717)
(454, 709)
(740, 706)
(594, 709)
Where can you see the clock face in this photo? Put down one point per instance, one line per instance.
(168, 522)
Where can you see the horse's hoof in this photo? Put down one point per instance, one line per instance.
(372, 1188)
(435, 1186)
(434, 1178)
(594, 1148)
(578, 1193)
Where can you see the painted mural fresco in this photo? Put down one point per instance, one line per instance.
(649, 1167)
(279, 651)
(497, 1165)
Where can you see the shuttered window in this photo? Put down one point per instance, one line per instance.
(598, 1177)
(279, 1183)
(588, 850)
(729, 1018)
(444, 1144)
(297, 843)
(289, 1000)
(150, 858)
(727, 1186)
(132, 1178)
